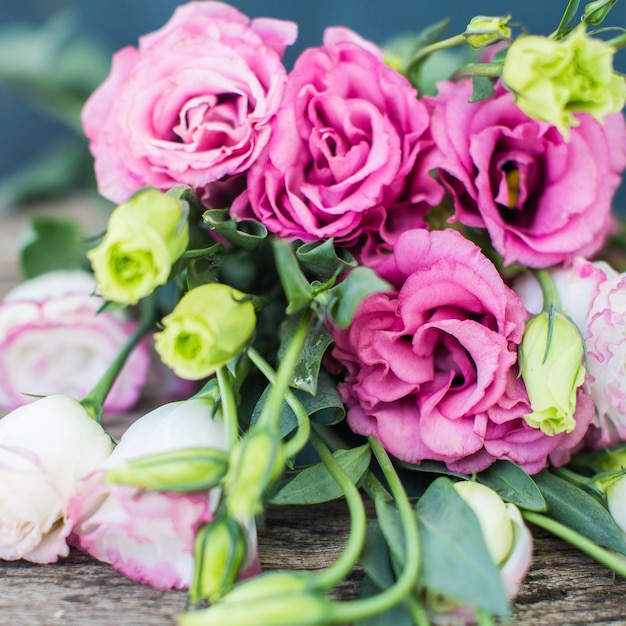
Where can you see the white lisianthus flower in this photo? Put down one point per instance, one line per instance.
(45, 449)
(53, 340)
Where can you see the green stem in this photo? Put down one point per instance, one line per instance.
(95, 398)
(334, 574)
(450, 42)
(366, 607)
(301, 437)
(612, 560)
(548, 289)
(270, 415)
(229, 406)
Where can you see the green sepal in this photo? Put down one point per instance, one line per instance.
(246, 234)
(323, 261)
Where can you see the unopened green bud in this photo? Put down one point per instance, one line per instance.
(183, 470)
(256, 462)
(595, 12)
(483, 31)
(551, 364)
(209, 326)
(613, 461)
(268, 584)
(288, 608)
(144, 237)
(220, 550)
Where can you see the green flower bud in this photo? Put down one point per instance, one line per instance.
(552, 80)
(256, 462)
(552, 372)
(286, 608)
(184, 470)
(483, 31)
(144, 237)
(208, 327)
(269, 584)
(492, 515)
(595, 12)
(219, 552)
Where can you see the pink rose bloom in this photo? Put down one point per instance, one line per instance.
(148, 535)
(53, 340)
(594, 296)
(542, 199)
(432, 367)
(350, 152)
(45, 449)
(191, 104)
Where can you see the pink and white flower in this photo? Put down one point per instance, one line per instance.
(53, 340)
(350, 153)
(542, 199)
(432, 366)
(191, 104)
(148, 535)
(45, 449)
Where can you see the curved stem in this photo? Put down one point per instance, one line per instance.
(229, 406)
(360, 609)
(548, 289)
(456, 40)
(94, 400)
(612, 560)
(335, 573)
(270, 414)
(299, 440)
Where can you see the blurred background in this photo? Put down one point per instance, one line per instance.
(68, 43)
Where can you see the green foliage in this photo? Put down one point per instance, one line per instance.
(513, 484)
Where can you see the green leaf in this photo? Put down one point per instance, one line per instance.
(348, 294)
(568, 15)
(52, 244)
(322, 259)
(514, 485)
(297, 288)
(456, 562)
(315, 485)
(580, 511)
(482, 88)
(246, 234)
(309, 361)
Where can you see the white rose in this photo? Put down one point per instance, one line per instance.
(45, 449)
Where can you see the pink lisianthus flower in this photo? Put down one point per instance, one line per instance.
(191, 104)
(53, 340)
(149, 535)
(350, 153)
(593, 294)
(432, 367)
(541, 198)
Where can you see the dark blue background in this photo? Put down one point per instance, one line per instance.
(24, 132)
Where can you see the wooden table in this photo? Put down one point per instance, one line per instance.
(563, 587)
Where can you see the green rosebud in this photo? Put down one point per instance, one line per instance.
(184, 470)
(552, 80)
(284, 608)
(144, 237)
(256, 462)
(595, 12)
(483, 31)
(219, 553)
(552, 368)
(209, 326)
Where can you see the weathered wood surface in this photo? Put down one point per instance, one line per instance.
(564, 586)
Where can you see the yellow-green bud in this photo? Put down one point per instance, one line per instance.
(144, 237)
(209, 326)
(492, 515)
(595, 12)
(268, 584)
(552, 80)
(219, 552)
(184, 470)
(483, 31)
(256, 462)
(552, 373)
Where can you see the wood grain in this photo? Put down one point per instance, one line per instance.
(564, 586)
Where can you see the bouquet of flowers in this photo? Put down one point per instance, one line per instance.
(334, 282)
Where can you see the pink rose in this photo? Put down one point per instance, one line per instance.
(45, 449)
(432, 366)
(53, 340)
(148, 535)
(191, 105)
(350, 152)
(542, 199)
